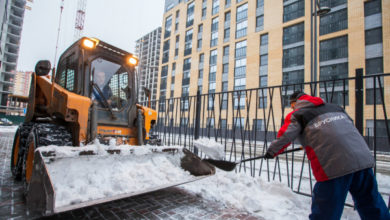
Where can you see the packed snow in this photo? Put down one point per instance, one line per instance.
(135, 169)
(8, 129)
(212, 149)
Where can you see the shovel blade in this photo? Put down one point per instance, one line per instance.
(222, 164)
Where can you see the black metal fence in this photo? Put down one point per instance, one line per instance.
(246, 121)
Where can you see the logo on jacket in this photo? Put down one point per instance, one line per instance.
(328, 120)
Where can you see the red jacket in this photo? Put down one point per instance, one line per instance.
(332, 143)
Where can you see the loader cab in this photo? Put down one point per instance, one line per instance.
(103, 73)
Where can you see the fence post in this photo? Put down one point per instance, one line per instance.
(359, 100)
(197, 120)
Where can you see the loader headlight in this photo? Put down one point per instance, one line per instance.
(90, 43)
(133, 61)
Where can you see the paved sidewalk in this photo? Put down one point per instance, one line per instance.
(170, 203)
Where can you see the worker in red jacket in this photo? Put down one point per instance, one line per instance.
(339, 156)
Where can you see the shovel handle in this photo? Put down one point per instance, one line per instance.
(262, 156)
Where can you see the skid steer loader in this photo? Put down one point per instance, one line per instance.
(91, 98)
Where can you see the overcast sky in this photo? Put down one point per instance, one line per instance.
(118, 22)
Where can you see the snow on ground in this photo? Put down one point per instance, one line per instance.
(8, 129)
(269, 200)
(211, 148)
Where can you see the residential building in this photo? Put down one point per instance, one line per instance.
(230, 45)
(148, 52)
(11, 21)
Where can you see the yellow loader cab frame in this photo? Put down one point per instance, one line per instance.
(70, 97)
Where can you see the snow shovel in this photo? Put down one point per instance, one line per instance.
(229, 166)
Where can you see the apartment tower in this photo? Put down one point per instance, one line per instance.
(227, 45)
(148, 51)
(11, 20)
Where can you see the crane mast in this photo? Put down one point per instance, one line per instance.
(80, 17)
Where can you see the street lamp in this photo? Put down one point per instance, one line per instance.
(316, 10)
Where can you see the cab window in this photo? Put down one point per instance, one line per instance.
(66, 73)
(112, 79)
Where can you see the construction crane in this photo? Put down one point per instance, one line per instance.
(80, 17)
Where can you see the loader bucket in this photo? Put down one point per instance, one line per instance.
(67, 178)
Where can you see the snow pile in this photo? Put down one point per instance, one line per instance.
(270, 200)
(211, 148)
(8, 129)
(84, 178)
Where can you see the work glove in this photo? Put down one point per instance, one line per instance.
(268, 156)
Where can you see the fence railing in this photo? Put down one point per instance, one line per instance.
(246, 121)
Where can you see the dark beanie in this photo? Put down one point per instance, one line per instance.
(294, 97)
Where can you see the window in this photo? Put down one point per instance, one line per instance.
(214, 39)
(201, 58)
(293, 57)
(188, 43)
(240, 67)
(334, 72)
(240, 49)
(293, 34)
(259, 3)
(373, 36)
(177, 45)
(241, 29)
(177, 20)
(190, 14)
(168, 26)
(214, 24)
(223, 124)
(381, 129)
(227, 16)
(215, 7)
(262, 95)
(213, 73)
(185, 90)
(225, 68)
(264, 39)
(334, 48)
(333, 22)
(239, 122)
(226, 34)
(259, 22)
(226, 50)
(332, 3)
(334, 91)
(68, 72)
(258, 125)
(239, 84)
(372, 7)
(294, 10)
(204, 9)
(242, 12)
(293, 77)
(187, 64)
(213, 57)
(165, 57)
(374, 66)
(210, 122)
(200, 29)
(173, 69)
(264, 60)
(227, 3)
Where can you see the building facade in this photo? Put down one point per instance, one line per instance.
(11, 20)
(148, 51)
(229, 45)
